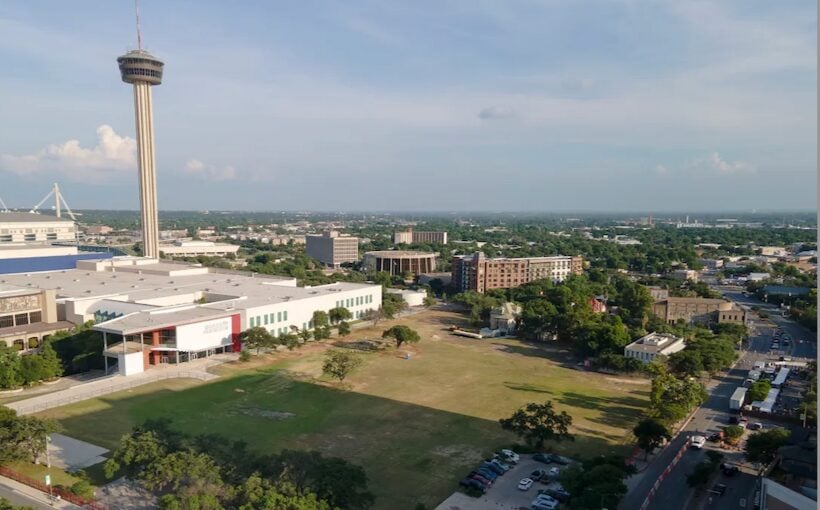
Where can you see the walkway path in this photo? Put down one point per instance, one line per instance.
(197, 369)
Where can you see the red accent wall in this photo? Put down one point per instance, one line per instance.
(236, 328)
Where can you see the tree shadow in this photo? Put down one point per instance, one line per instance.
(619, 412)
(402, 446)
(526, 387)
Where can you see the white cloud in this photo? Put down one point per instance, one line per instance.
(496, 112)
(113, 153)
(728, 167)
(661, 170)
(209, 172)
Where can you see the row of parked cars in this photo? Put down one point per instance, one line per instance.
(483, 476)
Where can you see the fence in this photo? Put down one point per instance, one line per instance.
(664, 475)
(64, 494)
(101, 387)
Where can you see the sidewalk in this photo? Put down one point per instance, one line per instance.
(32, 494)
(197, 369)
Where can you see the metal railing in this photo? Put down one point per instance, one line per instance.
(65, 494)
(84, 392)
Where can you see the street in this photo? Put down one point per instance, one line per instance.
(18, 498)
(673, 493)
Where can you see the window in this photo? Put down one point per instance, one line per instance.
(266, 319)
(35, 317)
(278, 316)
(6, 321)
(285, 315)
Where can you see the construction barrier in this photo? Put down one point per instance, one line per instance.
(65, 495)
(663, 475)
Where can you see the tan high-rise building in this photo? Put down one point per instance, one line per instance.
(413, 237)
(143, 70)
(478, 273)
(332, 249)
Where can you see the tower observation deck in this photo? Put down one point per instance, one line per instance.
(143, 70)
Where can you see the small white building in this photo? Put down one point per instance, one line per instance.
(649, 347)
(411, 297)
(197, 248)
(685, 274)
(505, 318)
(758, 277)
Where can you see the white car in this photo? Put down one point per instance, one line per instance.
(553, 472)
(544, 502)
(510, 456)
(525, 484)
(697, 442)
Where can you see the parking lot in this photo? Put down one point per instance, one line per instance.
(504, 492)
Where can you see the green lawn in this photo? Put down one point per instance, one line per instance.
(415, 425)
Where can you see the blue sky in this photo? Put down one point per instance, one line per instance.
(448, 105)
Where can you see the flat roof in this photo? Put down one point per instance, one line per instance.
(28, 217)
(154, 282)
(401, 253)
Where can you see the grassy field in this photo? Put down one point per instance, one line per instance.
(415, 424)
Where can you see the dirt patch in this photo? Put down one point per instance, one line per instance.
(459, 453)
(264, 413)
(628, 381)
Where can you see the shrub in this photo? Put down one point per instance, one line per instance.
(83, 489)
(244, 356)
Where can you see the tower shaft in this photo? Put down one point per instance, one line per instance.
(143, 110)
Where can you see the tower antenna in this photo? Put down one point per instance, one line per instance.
(139, 32)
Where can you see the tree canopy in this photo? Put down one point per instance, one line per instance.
(538, 423)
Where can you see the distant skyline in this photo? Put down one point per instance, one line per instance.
(611, 105)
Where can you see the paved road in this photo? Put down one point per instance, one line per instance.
(18, 498)
(674, 493)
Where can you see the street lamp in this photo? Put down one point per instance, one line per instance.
(48, 467)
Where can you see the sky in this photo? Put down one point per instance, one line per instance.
(610, 105)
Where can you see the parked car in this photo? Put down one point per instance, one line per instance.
(545, 499)
(525, 484)
(729, 469)
(559, 493)
(554, 472)
(469, 483)
(487, 473)
(716, 437)
(482, 476)
(538, 474)
(697, 442)
(480, 479)
(542, 504)
(733, 420)
(719, 489)
(510, 456)
(755, 426)
(496, 462)
(558, 459)
(492, 467)
(544, 458)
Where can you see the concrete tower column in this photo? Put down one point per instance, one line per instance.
(143, 70)
(144, 114)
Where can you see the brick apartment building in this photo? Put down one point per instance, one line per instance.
(478, 273)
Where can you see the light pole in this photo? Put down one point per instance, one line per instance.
(48, 467)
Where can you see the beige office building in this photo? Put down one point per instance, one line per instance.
(332, 249)
(398, 262)
(695, 310)
(413, 237)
